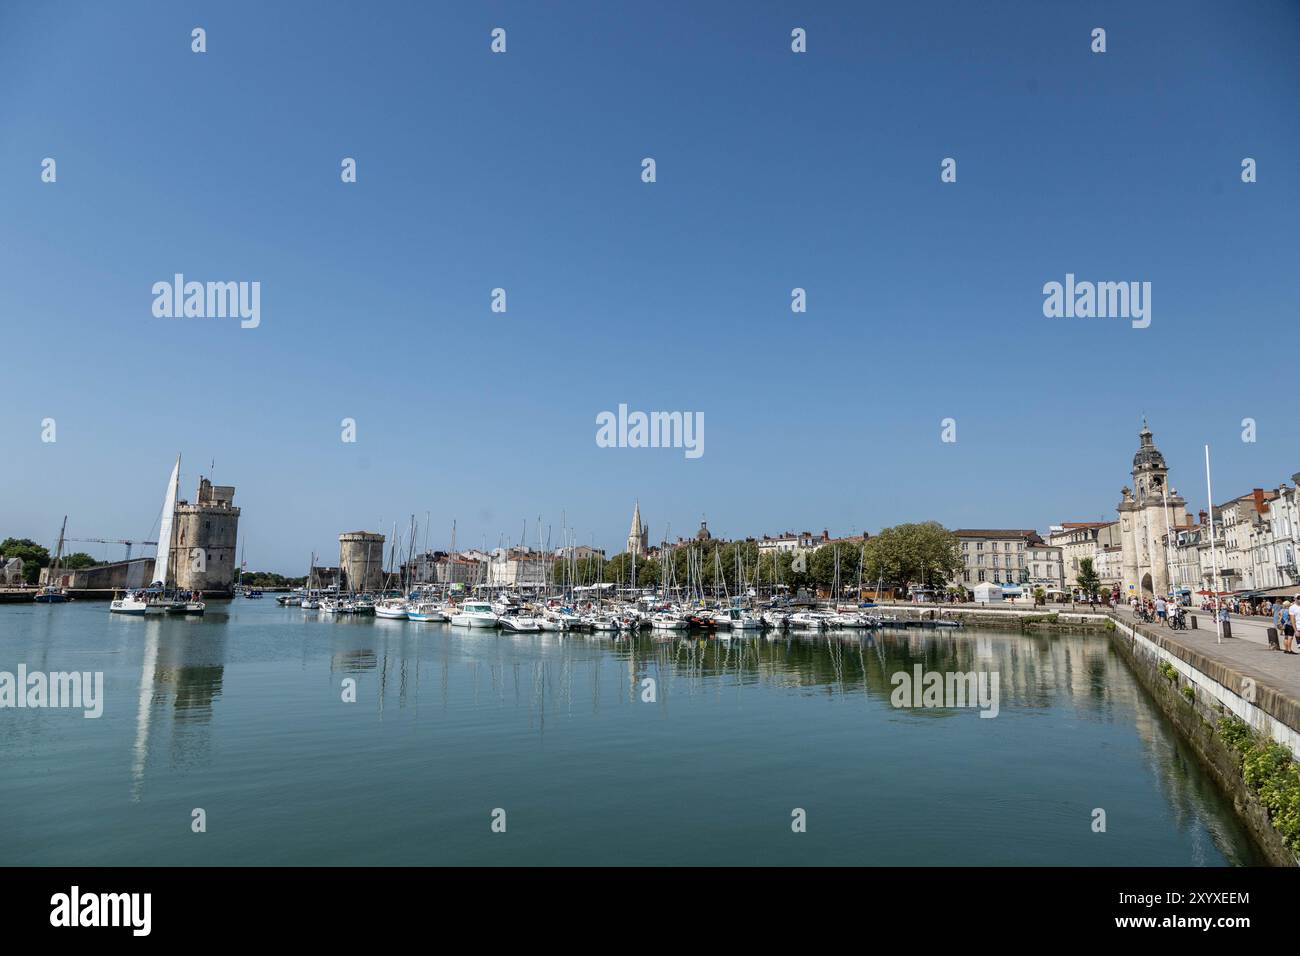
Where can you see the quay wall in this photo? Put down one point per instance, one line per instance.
(988, 616)
(1214, 685)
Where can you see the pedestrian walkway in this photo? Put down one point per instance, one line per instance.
(1245, 654)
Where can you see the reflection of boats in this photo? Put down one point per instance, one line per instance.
(129, 603)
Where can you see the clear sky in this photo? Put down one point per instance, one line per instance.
(522, 170)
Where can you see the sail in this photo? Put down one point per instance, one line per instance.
(160, 565)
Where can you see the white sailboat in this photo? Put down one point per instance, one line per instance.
(162, 563)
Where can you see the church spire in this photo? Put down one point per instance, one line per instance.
(638, 538)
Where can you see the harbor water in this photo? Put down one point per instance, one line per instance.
(655, 750)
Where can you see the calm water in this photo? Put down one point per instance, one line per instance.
(240, 713)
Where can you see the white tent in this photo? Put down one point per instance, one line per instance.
(986, 593)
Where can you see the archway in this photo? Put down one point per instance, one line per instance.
(1146, 585)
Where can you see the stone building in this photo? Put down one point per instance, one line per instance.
(204, 536)
(1080, 540)
(1045, 564)
(803, 541)
(1148, 513)
(996, 556)
(361, 560)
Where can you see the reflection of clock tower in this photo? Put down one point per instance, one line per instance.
(1148, 511)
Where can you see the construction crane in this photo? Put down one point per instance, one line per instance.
(113, 541)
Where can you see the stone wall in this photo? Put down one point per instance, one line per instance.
(1194, 700)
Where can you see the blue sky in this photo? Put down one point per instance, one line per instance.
(522, 171)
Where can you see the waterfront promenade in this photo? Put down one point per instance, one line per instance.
(1245, 654)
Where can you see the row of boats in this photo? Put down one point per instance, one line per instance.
(554, 615)
(150, 601)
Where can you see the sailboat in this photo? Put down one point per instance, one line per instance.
(53, 593)
(172, 602)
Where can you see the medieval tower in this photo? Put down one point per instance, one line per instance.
(204, 535)
(638, 539)
(1148, 512)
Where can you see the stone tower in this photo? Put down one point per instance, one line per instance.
(204, 535)
(1147, 512)
(361, 560)
(638, 539)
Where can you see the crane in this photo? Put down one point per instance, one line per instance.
(113, 541)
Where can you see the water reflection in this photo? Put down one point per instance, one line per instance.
(181, 674)
(493, 689)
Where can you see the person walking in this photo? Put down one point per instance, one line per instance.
(1162, 611)
(1292, 622)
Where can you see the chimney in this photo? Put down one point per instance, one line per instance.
(1203, 516)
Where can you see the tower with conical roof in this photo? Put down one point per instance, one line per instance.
(638, 539)
(1148, 511)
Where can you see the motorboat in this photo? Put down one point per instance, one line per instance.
(392, 608)
(742, 620)
(474, 614)
(808, 621)
(427, 612)
(128, 603)
(667, 621)
(50, 595)
(519, 621)
(195, 608)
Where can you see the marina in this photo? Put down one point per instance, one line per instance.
(240, 712)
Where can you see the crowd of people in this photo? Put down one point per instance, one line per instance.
(1284, 613)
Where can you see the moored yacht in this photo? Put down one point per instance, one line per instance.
(427, 612)
(474, 614)
(393, 609)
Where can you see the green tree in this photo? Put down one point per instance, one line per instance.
(1089, 580)
(34, 556)
(925, 552)
(78, 560)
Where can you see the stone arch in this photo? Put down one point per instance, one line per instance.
(1146, 585)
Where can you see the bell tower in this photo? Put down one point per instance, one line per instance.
(1148, 512)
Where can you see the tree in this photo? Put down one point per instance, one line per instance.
(923, 553)
(1040, 597)
(34, 556)
(79, 560)
(1089, 580)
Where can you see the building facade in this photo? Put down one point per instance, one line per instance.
(998, 556)
(1148, 513)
